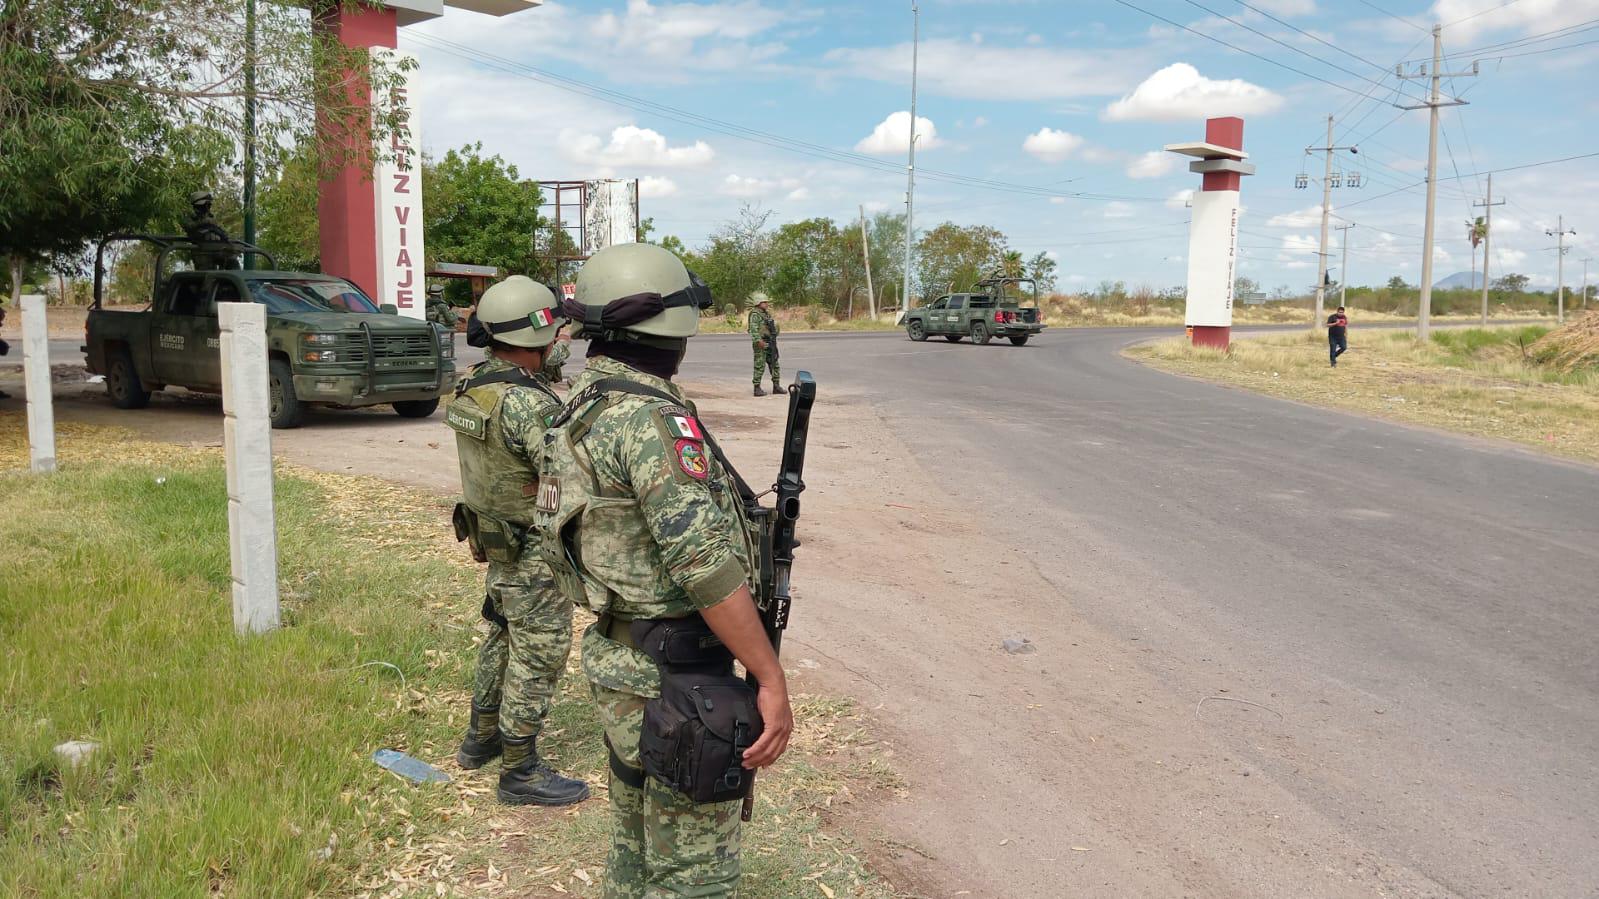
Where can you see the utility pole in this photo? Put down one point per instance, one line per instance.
(1326, 209)
(1488, 205)
(866, 256)
(1585, 281)
(1559, 234)
(910, 166)
(1343, 269)
(249, 129)
(1434, 103)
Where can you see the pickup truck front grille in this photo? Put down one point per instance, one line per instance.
(403, 346)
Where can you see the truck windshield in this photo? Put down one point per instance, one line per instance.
(287, 295)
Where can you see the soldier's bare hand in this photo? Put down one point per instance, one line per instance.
(779, 720)
(760, 344)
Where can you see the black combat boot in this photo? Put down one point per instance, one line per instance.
(527, 781)
(482, 738)
(777, 389)
(759, 391)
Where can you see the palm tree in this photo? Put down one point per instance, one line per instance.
(1012, 264)
(1477, 232)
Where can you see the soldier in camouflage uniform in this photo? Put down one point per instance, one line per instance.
(499, 413)
(763, 341)
(639, 521)
(556, 358)
(438, 310)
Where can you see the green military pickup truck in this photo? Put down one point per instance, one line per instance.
(988, 312)
(327, 342)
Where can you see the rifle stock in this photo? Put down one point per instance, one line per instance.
(777, 529)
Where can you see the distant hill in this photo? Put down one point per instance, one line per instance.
(1460, 279)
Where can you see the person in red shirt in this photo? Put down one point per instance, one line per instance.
(1337, 335)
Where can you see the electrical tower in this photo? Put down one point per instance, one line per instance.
(1559, 234)
(1488, 205)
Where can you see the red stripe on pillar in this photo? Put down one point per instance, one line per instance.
(347, 204)
(1227, 131)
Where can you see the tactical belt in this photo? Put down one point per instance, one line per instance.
(617, 629)
(622, 385)
(633, 777)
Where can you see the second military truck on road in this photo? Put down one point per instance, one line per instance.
(327, 342)
(988, 312)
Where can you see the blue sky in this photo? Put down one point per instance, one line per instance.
(1064, 106)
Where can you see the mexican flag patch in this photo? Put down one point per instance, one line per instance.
(542, 318)
(683, 426)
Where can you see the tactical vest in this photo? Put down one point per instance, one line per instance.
(498, 487)
(597, 542)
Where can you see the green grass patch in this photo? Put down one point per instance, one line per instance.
(1480, 381)
(241, 766)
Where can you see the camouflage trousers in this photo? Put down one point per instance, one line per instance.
(518, 666)
(764, 359)
(662, 843)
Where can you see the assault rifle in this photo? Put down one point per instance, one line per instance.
(776, 525)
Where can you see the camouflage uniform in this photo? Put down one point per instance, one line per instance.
(522, 662)
(763, 326)
(660, 534)
(441, 312)
(560, 351)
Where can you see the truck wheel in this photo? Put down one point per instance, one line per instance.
(123, 384)
(416, 408)
(1019, 339)
(980, 334)
(916, 330)
(283, 407)
(953, 338)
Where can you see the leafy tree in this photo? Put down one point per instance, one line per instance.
(952, 257)
(1397, 283)
(737, 262)
(1012, 265)
(112, 111)
(286, 218)
(478, 211)
(1041, 268)
(808, 262)
(1511, 283)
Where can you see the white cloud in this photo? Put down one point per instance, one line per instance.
(1116, 209)
(979, 122)
(1154, 164)
(651, 186)
(958, 68)
(633, 147)
(799, 193)
(1288, 7)
(893, 135)
(1476, 17)
(1096, 154)
(1051, 145)
(674, 32)
(1299, 218)
(1179, 93)
(1180, 199)
(751, 188)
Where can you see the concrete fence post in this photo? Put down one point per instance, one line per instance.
(36, 374)
(247, 441)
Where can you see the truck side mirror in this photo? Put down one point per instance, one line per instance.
(389, 309)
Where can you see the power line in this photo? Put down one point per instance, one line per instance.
(1390, 15)
(1317, 38)
(1498, 56)
(1520, 42)
(1266, 59)
(1483, 13)
(741, 132)
(1281, 43)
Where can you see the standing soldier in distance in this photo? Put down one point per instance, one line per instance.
(640, 522)
(499, 413)
(763, 341)
(438, 310)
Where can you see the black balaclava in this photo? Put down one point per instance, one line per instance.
(660, 361)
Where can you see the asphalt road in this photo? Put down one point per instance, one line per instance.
(1421, 607)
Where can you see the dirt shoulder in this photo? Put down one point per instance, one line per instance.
(1476, 382)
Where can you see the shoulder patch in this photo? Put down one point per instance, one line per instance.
(680, 423)
(690, 455)
(466, 421)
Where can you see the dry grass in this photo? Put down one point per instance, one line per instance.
(1476, 381)
(1572, 347)
(240, 767)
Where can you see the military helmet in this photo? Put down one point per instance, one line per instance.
(628, 271)
(199, 198)
(759, 298)
(521, 312)
(435, 290)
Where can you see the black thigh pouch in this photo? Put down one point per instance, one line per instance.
(696, 733)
